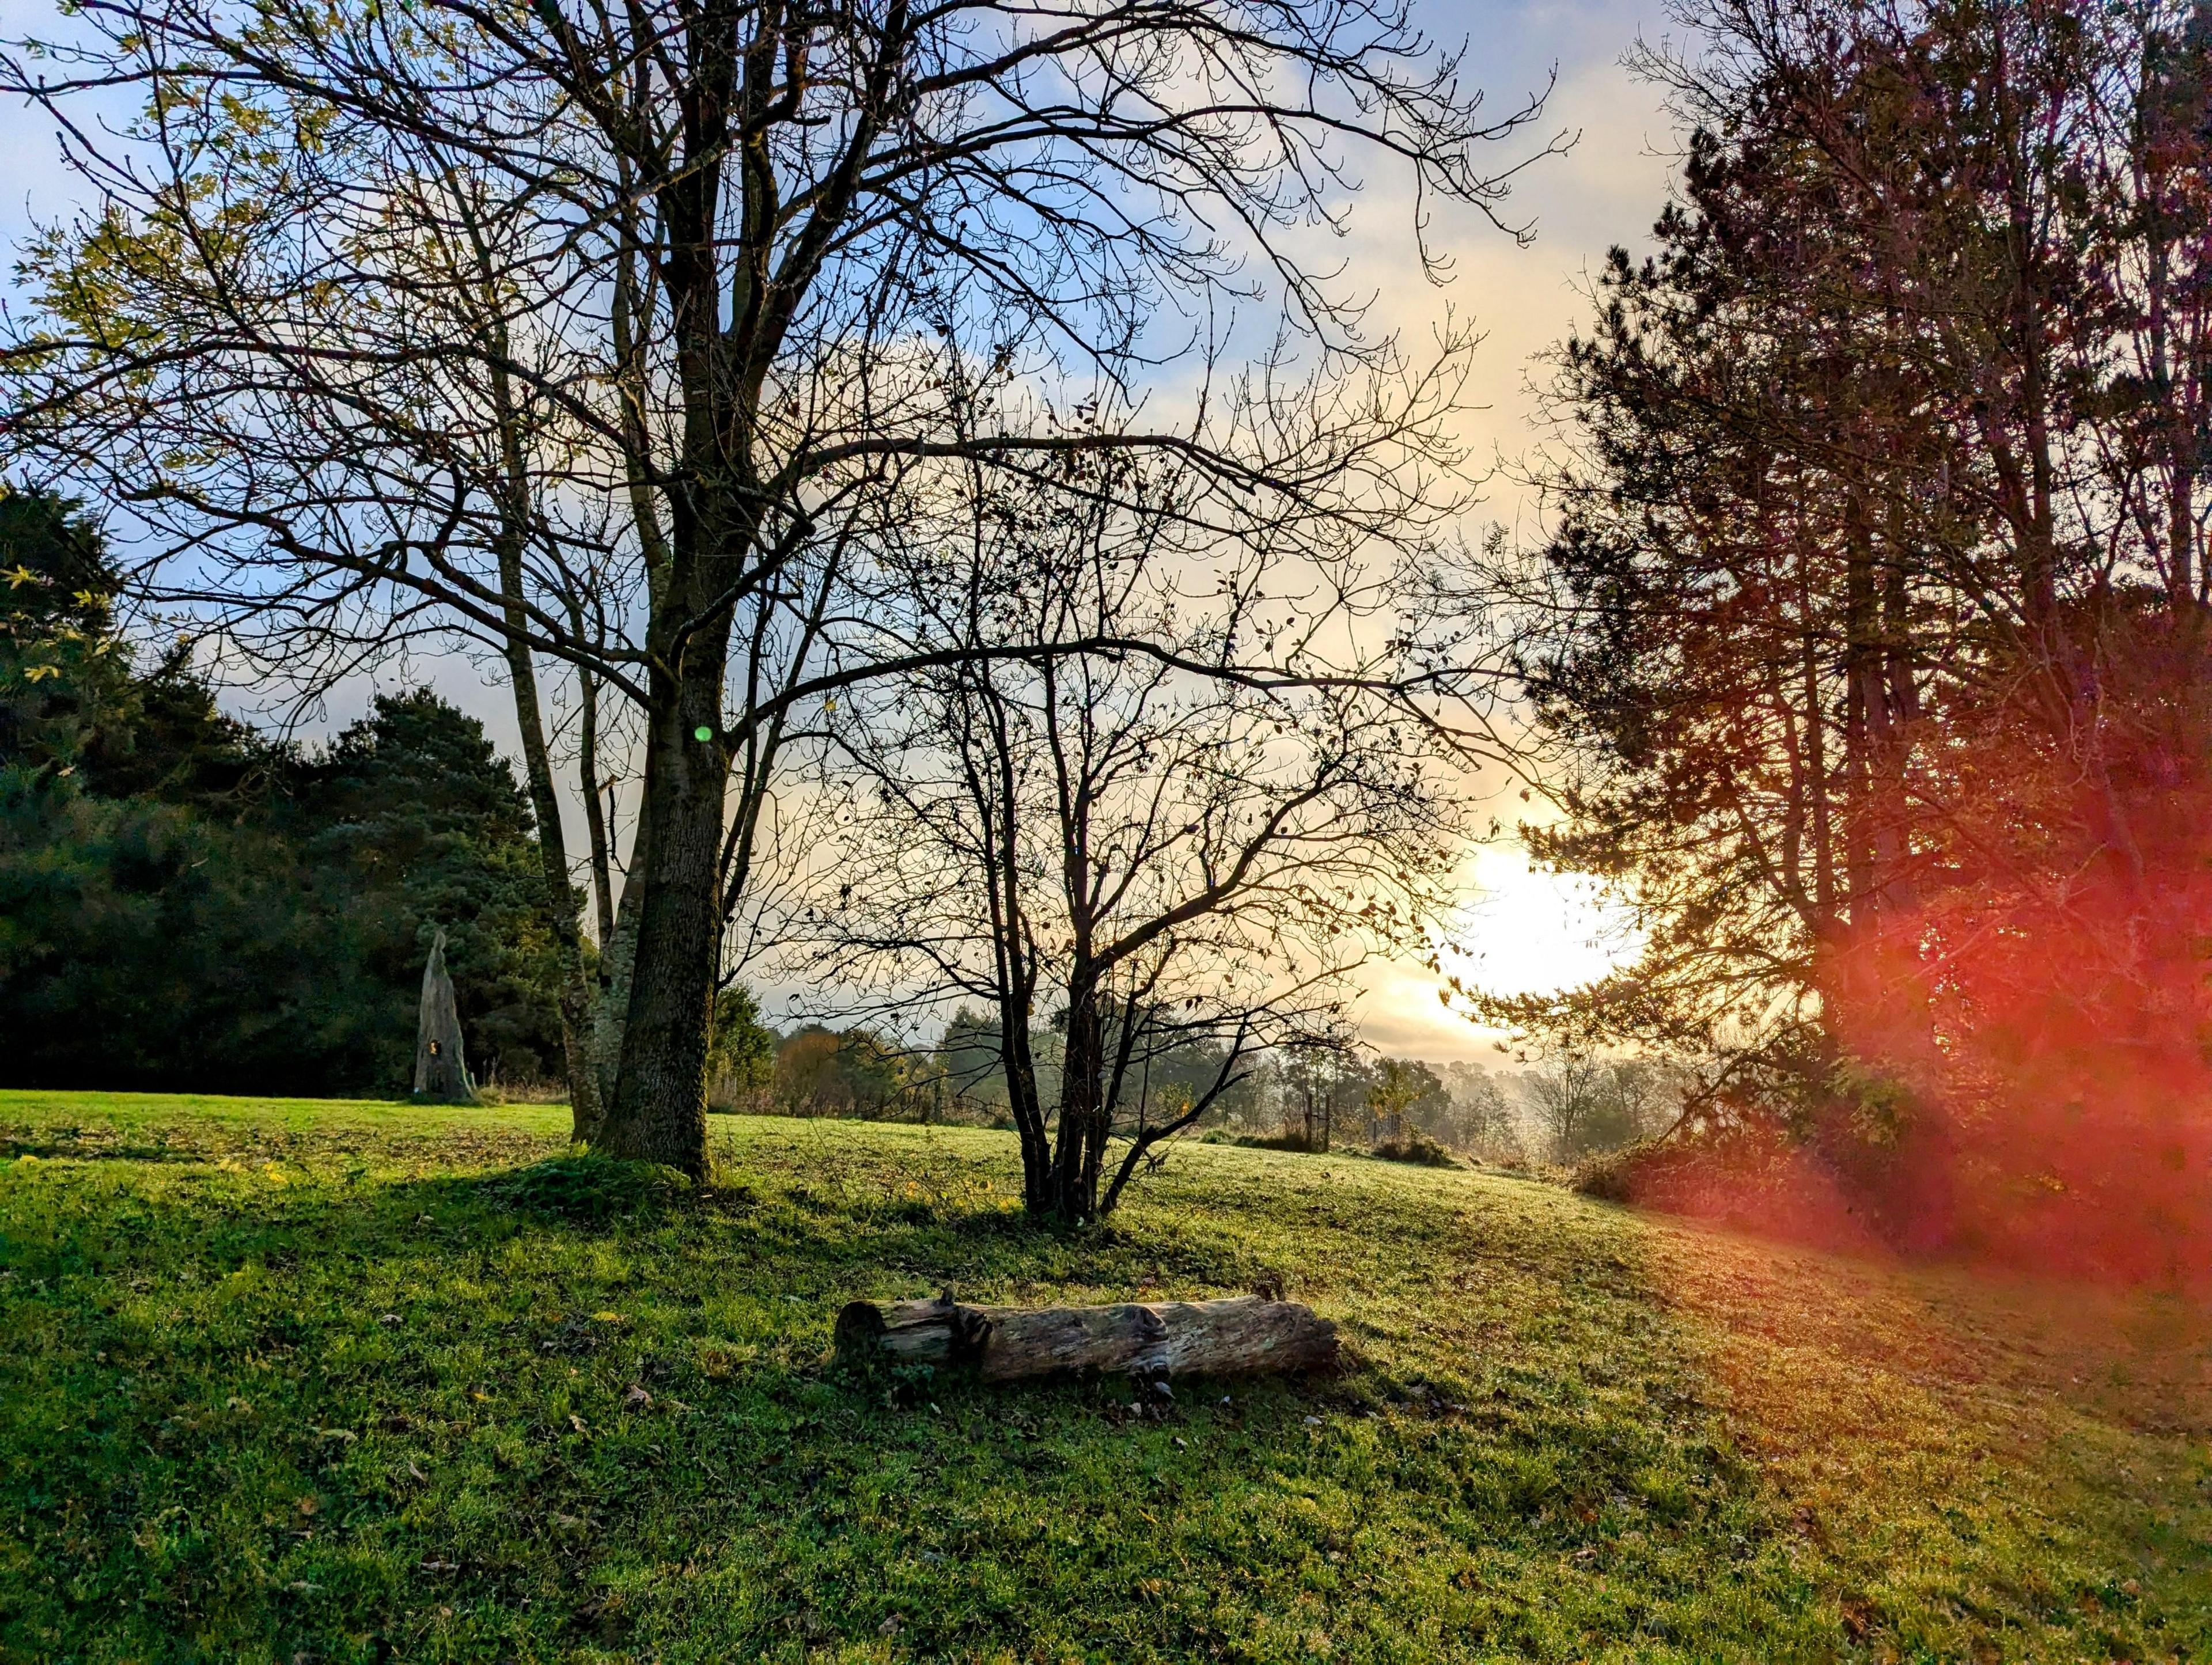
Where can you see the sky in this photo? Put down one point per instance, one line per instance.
(1518, 930)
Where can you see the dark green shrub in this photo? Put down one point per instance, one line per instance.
(1417, 1148)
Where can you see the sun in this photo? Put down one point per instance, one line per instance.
(1518, 931)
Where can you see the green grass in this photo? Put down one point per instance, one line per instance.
(289, 1381)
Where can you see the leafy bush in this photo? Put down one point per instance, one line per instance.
(1297, 1142)
(1416, 1148)
(1617, 1175)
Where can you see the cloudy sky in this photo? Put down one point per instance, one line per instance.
(1521, 931)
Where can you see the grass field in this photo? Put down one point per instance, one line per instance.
(304, 1382)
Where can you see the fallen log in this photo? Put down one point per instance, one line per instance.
(1244, 1335)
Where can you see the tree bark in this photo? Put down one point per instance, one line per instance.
(1075, 1194)
(516, 520)
(659, 1113)
(616, 959)
(561, 904)
(595, 820)
(1244, 1335)
(1862, 712)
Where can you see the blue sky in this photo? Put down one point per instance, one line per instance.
(1530, 931)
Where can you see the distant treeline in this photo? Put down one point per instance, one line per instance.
(1566, 1106)
(815, 1069)
(188, 904)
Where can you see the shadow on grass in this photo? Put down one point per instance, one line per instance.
(586, 1189)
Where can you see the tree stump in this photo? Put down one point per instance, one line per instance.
(441, 1071)
(1244, 1335)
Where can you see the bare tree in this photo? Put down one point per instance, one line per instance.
(752, 244)
(382, 402)
(1566, 1091)
(1148, 848)
(1638, 1098)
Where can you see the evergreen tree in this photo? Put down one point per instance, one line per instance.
(185, 905)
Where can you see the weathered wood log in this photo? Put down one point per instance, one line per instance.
(1244, 1335)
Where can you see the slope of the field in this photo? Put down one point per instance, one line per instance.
(347, 1381)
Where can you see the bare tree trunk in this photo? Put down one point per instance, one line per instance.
(1863, 705)
(618, 959)
(1896, 707)
(561, 901)
(1075, 1163)
(595, 820)
(1026, 1103)
(659, 1108)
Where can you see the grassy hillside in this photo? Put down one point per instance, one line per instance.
(283, 1380)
